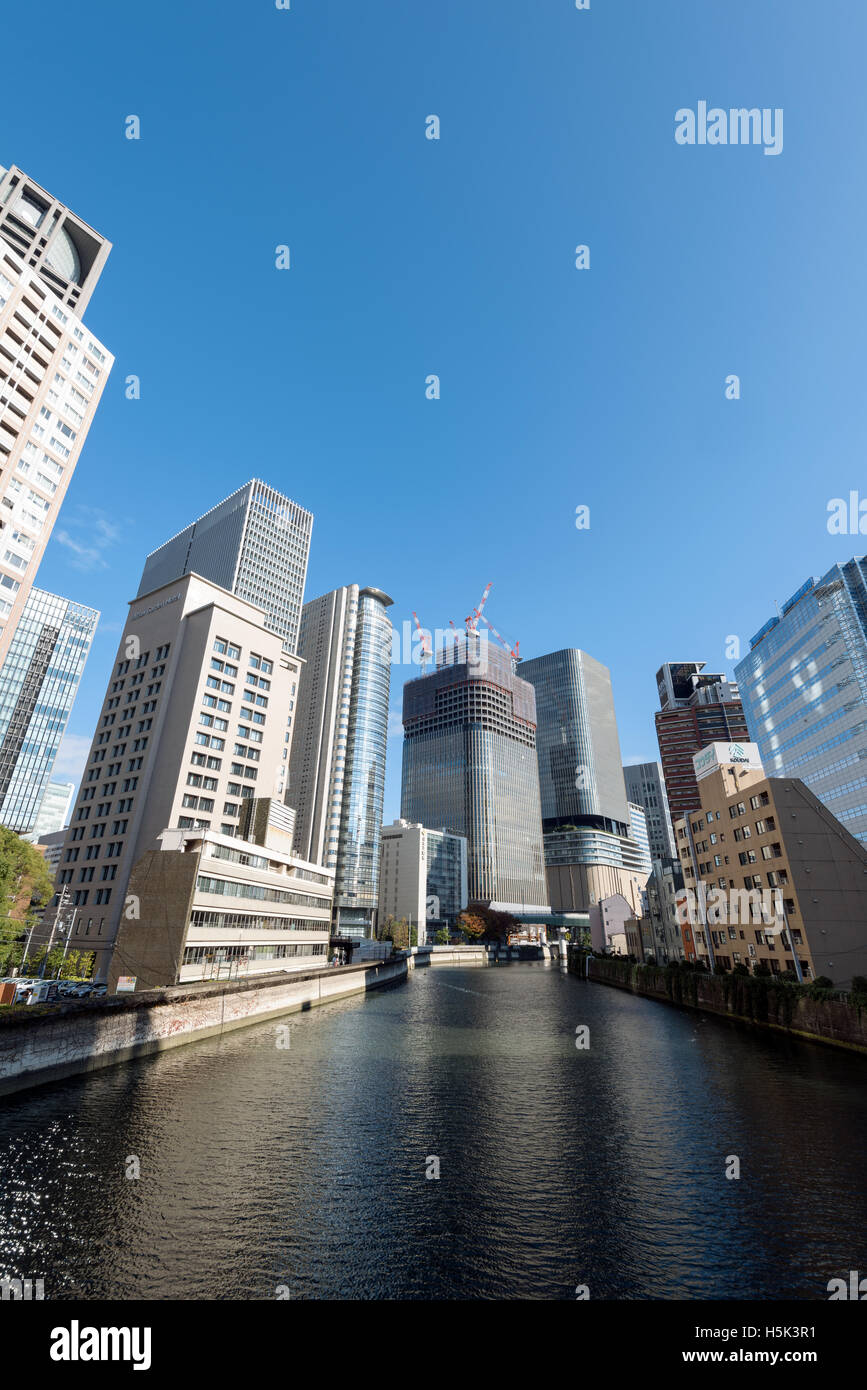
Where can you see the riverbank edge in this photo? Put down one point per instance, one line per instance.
(45, 1044)
(829, 1022)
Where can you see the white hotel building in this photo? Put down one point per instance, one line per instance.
(52, 374)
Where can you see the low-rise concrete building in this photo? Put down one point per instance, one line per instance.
(613, 926)
(205, 906)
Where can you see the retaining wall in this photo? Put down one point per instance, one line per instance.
(838, 1021)
(38, 1045)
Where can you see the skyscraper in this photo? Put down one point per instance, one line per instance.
(469, 764)
(192, 725)
(696, 708)
(54, 809)
(645, 785)
(52, 374)
(256, 544)
(590, 847)
(804, 688)
(337, 759)
(37, 688)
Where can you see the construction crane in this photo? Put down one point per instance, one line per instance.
(425, 643)
(472, 622)
(514, 652)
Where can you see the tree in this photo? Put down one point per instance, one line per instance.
(472, 924)
(26, 886)
(399, 933)
(442, 937)
(483, 923)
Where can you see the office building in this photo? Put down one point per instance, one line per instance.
(595, 843)
(804, 691)
(255, 544)
(469, 763)
(645, 785)
(660, 910)
(192, 725)
(422, 877)
(53, 813)
(771, 878)
(209, 906)
(337, 758)
(52, 374)
(38, 685)
(50, 846)
(696, 708)
(636, 845)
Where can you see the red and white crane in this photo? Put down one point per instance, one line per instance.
(425, 643)
(514, 652)
(472, 621)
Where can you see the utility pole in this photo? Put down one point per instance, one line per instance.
(67, 931)
(61, 904)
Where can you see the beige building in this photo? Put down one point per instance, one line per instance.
(766, 867)
(577, 887)
(192, 725)
(207, 906)
(52, 374)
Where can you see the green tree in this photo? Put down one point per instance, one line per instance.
(26, 886)
(400, 934)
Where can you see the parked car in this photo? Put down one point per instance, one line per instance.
(80, 990)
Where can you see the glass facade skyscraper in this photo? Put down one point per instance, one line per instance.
(357, 868)
(337, 759)
(469, 764)
(591, 849)
(804, 691)
(645, 786)
(580, 772)
(40, 680)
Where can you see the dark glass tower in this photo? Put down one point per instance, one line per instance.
(469, 764)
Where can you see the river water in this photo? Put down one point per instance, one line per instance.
(302, 1168)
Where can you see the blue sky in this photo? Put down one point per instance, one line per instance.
(559, 387)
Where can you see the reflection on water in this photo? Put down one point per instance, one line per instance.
(305, 1167)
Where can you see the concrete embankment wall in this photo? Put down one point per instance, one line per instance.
(841, 1022)
(449, 955)
(38, 1047)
